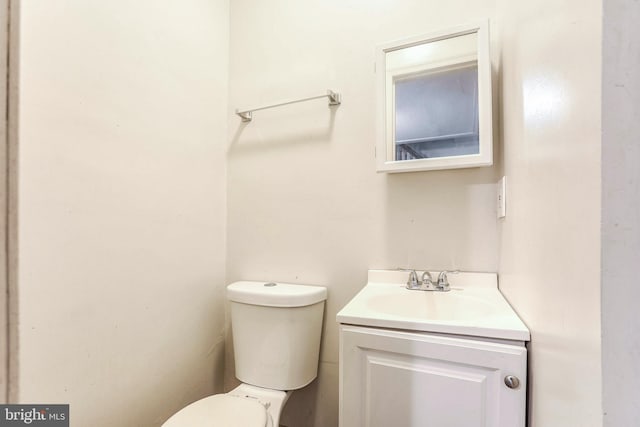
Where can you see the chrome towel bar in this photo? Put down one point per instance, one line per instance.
(334, 99)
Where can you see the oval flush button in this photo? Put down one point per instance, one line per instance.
(270, 284)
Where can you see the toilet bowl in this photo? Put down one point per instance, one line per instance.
(244, 406)
(272, 323)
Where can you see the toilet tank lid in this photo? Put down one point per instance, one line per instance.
(275, 294)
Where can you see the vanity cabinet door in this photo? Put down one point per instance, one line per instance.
(407, 379)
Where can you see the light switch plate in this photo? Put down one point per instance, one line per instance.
(502, 197)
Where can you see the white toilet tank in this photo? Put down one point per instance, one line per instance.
(276, 333)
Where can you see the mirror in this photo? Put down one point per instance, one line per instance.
(434, 101)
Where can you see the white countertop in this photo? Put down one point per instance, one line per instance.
(473, 307)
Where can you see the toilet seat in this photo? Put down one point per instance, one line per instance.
(220, 410)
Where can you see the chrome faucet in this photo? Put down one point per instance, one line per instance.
(427, 281)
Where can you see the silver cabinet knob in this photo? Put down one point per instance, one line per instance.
(512, 381)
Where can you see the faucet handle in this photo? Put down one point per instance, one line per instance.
(413, 283)
(443, 280)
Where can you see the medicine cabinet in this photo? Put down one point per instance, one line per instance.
(434, 101)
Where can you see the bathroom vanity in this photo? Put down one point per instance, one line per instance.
(429, 358)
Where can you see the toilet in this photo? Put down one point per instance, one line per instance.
(276, 331)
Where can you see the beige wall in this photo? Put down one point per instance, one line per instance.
(122, 203)
(4, 315)
(305, 204)
(550, 246)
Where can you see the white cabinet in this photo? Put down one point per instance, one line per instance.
(392, 378)
(434, 101)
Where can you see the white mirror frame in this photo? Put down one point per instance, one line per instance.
(385, 108)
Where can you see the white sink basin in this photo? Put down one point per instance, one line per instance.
(439, 306)
(473, 307)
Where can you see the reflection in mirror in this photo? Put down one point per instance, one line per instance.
(436, 107)
(436, 114)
